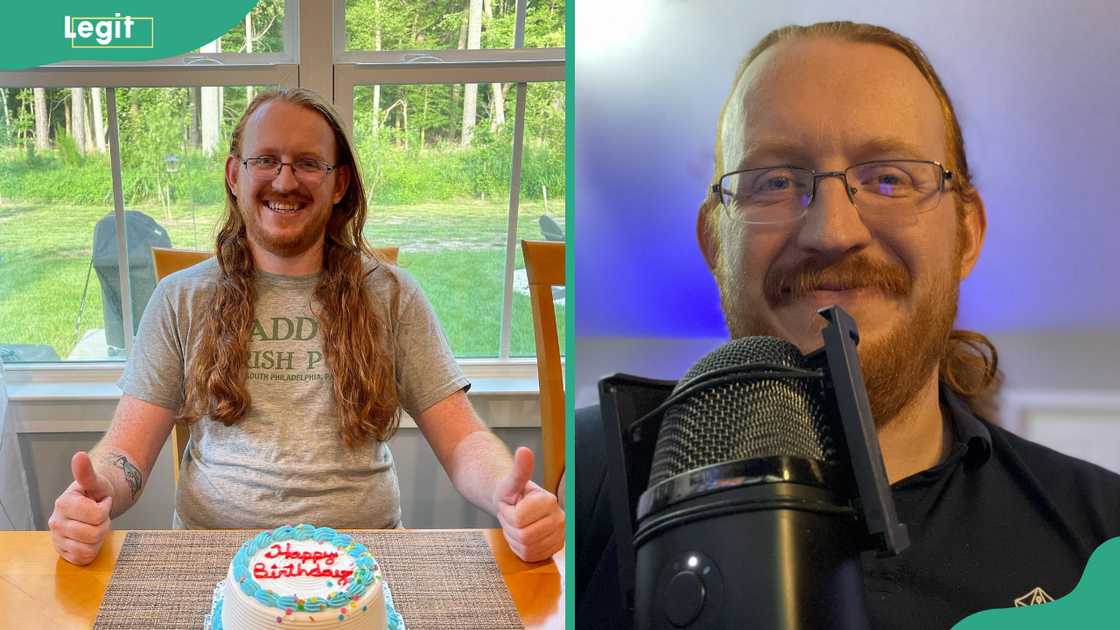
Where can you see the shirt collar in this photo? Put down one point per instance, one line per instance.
(970, 431)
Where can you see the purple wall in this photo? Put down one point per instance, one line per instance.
(1037, 88)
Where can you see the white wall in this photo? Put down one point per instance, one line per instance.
(53, 420)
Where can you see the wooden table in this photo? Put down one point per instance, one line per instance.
(38, 589)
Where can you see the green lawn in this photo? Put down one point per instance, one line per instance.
(454, 249)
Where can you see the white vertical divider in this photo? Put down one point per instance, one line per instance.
(316, 50)
(118, 213)
(514, 193)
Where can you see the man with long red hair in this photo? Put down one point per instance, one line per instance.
(291, 354)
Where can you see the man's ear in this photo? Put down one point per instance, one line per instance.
(975, 225)
(341, 183)
(705, 231)
(232, 172)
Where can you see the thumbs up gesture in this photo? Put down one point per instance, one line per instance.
(80, 520)
(531, 519)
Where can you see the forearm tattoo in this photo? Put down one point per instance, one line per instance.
(131, 473)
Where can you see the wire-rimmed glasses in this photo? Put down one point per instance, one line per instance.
(777, 194)
(307, 170)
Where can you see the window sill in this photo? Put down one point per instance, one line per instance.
(52, 397)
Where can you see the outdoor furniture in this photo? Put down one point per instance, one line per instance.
(544, 265)
(143, 233)
(550, 229)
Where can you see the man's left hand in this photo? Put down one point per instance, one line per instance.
(531, 519)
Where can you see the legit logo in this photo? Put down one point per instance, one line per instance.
(110, 32)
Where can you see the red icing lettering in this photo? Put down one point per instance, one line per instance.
(276, 551)
(275, 571)
(296, 566)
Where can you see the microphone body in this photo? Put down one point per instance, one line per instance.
(769, 555)
(748, 521)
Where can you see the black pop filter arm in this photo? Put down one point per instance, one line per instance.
(887, 535)
(623, 401)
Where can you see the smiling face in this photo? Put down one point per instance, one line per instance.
(826, 104)
(286, 216)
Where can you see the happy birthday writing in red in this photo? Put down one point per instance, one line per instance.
(297, 569)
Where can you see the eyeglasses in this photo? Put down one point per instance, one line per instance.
(307, 170)
(886, 188)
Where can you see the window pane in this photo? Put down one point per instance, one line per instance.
(264, 25)
(541, 206)
(55, 196)
(174, 143)
(447, 24)
(60, 289)
(442, 200)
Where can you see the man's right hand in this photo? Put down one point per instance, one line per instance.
(80, 521)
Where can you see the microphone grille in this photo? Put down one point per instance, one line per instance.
(746, 419)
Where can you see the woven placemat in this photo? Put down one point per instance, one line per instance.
(441, 580)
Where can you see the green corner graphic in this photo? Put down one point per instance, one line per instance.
(64, 31)
(1091, 604)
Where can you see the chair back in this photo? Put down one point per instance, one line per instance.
(544, 265)
(167, 261)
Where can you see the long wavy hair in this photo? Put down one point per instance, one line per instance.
(970, 365)
(355, 339)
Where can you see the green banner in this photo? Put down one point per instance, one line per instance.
(40, 33)
(1092, 604)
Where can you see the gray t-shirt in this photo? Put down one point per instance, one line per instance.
(284, 461)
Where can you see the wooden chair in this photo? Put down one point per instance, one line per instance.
(168, 261)
(544, 264)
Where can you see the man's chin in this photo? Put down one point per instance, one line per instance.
(283, 245)
(896, 356)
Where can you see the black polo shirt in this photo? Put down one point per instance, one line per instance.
(1001, 522)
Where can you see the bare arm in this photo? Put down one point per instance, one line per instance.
(480, 467)
(475, 459)
(126, 453)
(109, 479)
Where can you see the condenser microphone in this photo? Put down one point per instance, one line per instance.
(765, 484)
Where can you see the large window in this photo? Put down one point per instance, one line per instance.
(86, 150)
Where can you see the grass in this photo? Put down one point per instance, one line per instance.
(455, 249)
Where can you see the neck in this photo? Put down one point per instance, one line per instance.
(918, 437)
(305, 263)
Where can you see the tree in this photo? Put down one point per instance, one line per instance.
(210, 108)
(249, 48)
(376, 120)
(470, 92)
(78, 117)
(42, 139)
(497, 95)
(98, 123)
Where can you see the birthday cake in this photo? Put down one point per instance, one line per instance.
(303, 577)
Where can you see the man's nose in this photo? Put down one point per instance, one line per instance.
(286, 181)
(833, 227)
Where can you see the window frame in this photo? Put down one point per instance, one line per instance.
(315, 58)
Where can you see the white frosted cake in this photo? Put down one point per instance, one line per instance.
(302, 577)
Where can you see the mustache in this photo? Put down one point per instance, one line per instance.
(790, 283)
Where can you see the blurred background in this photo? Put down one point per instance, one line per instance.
(1037, 92)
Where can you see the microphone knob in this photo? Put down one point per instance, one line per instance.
(684, 598)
